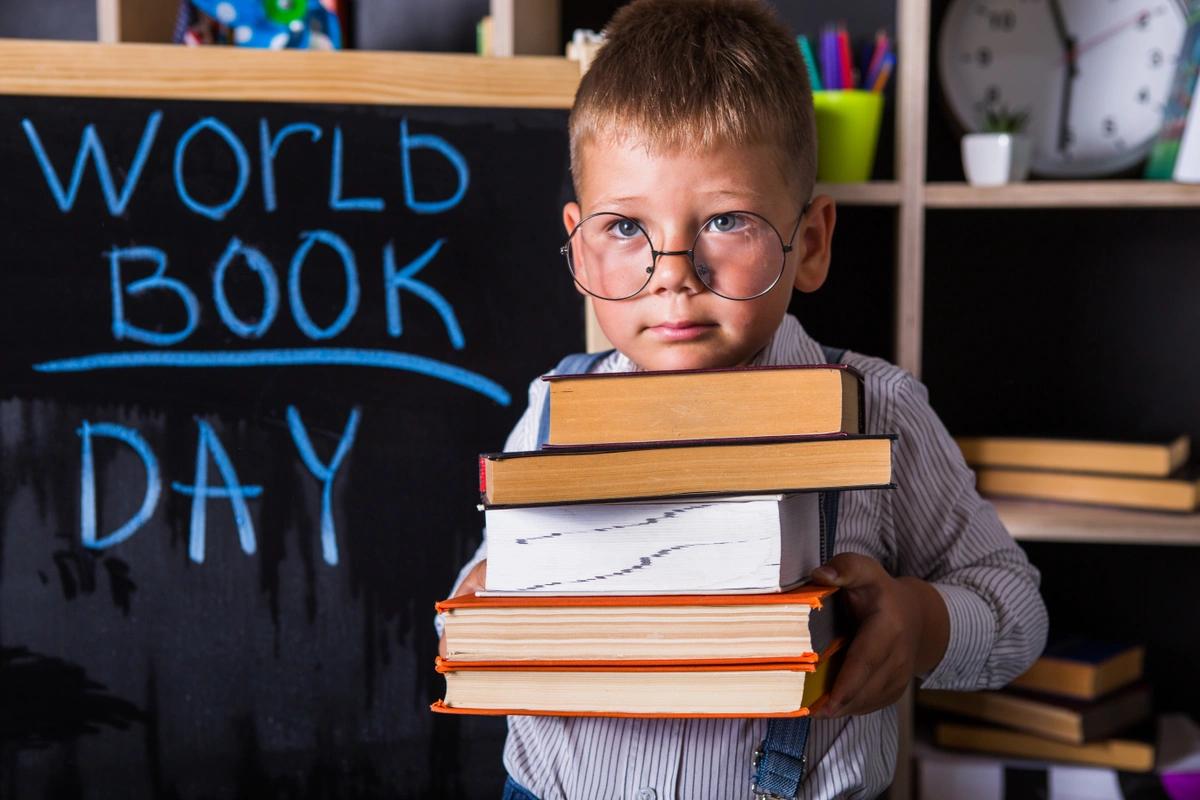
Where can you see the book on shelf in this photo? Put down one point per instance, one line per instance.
(1145, 457)
(1132, 755)
(1083, 668)
(779, 689)
(1176, 492)
(674, 405)
(785, 626)
(718, 466)
(684, 545)
(1058, 718)
(947, 775)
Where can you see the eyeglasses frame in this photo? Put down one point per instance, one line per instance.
(785, 247)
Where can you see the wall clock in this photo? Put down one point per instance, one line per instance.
(1093, 74)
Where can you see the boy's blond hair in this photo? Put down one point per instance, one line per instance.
(692, 74)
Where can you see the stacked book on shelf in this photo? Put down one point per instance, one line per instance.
(1147, 475)
(652, 557)
(1076, 705)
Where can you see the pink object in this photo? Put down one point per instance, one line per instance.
(1182, 785)
(844, 60)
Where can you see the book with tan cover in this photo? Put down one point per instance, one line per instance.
(722, 466)
(672, 405)
(1062, 719)
(1146, 458)
(1176, 493)
(1124, 754)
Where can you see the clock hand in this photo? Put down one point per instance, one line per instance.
(1060, 27)
(1088, 44)
(1068, 42)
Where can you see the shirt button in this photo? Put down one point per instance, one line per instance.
(646, 793)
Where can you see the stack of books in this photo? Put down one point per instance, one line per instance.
(1077, 704)
(651, 559)
(1141, 475)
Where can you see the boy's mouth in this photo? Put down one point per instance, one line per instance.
(681, 330)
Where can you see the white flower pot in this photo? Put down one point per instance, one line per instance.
(994, 159)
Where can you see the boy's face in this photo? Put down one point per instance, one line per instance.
(676, 322)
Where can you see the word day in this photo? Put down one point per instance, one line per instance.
(201, 490)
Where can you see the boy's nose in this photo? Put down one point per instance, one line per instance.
(673, 272)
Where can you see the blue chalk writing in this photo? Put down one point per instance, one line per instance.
(257, 262)
(200, 491)
(394, 281)
(345, 356)
(269, 146)
(438, 144)
(324, 473)
(239, 154)
(90, 143)
(123, 329)
(299, 311)
(336, 201)
(87, 497)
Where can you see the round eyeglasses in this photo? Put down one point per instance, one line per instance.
(737, 255)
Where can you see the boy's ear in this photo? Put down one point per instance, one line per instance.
(571, 215)
(815, 245)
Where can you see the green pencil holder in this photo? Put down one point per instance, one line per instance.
(847, 133)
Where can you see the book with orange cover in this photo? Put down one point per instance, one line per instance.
(683, 689)
(622, 630)
(670, 405)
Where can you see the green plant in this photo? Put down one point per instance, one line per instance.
(1001, 119)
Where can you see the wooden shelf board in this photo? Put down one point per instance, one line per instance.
(76, 69)
(1064, 194)
(1037, 521)
(873, 193)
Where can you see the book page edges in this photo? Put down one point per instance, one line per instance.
(441, 708)
(809, 595)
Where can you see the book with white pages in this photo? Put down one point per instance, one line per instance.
(682, 545)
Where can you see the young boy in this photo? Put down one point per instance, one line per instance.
(693, 150)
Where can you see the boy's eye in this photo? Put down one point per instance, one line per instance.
(724, 223)
(626, 228)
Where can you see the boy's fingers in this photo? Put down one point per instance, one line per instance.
(863, 659)
(847, 570)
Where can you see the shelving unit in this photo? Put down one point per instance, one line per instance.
(914, 196)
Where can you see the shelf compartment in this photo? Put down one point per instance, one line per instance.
(1038, 521)
(1064, 194)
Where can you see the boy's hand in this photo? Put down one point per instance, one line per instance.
(471, 584)
(903, 628)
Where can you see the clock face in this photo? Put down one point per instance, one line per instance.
(1092, 74)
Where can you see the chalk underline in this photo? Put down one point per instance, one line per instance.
(343, 356)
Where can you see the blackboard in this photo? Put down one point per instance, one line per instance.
(250, 354)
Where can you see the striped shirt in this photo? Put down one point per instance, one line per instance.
(933, 526)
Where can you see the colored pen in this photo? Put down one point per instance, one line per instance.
(845, 60)
(810, 64)
(881, 47)
(885, 72)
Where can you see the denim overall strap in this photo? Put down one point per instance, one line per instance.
(574, 364)
(780, 762)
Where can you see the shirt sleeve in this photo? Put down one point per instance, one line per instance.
(522, 437)
(950, 536)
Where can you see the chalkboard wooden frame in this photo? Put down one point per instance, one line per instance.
(74, 69)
